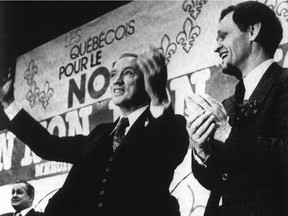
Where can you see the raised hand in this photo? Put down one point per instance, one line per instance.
(152, 64)
(7, 92)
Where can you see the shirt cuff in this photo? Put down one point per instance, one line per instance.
(12, 110)
(199, 160)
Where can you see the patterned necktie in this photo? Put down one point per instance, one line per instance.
(119, 133)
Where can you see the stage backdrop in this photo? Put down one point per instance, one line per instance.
(64, 83)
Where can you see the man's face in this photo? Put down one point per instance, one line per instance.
(126, 83)
(233, 45)
(20, 199)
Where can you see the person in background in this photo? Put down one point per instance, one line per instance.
(240, 152)
(22, 200)
(123, 168)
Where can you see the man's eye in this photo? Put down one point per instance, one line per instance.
(112, 75)
(222, 36)
(128, 73)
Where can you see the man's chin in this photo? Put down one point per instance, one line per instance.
(232, 71)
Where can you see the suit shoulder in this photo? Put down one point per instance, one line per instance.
(32, 212)
(98, 128)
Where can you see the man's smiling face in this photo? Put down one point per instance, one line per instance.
(233, 45)
(126, 83)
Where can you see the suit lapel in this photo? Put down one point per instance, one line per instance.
(266, 83)
(98, 139)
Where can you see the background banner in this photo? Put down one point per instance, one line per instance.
(64, 83)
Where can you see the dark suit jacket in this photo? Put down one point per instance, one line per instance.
(32, 212)
(132, 181)
(250, 170)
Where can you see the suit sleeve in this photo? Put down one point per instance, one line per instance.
(45, 145)
(169, 142)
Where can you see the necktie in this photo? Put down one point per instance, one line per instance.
(119, 133)
(239, 92)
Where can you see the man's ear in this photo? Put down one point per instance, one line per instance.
(254, 31)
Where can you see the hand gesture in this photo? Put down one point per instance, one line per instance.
(7, 92)
(211, 105)
(200, 126)
(152, 64)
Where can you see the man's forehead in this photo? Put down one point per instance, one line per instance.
(227, 21)
(19, 186)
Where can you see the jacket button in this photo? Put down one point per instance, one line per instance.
(100, 205)
(111, 159)
(224, 176)
(107, 169)
(101, 192)
(103, 180)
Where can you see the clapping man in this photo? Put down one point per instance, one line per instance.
(242, 156)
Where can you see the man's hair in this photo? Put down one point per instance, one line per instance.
(125, 55)
(252, 12)
(30, 188)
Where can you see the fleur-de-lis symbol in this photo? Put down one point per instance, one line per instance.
(32, 94)
(45, 95)
(270, 3)
(193, 7)
(282, 9)
(167, 48)
(187, 37)
(30, 73)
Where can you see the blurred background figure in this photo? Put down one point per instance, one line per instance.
(22, 200)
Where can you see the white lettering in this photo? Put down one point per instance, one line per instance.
(6, 149)
(84, 113)
(182, 87)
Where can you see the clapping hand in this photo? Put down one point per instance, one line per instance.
(152, 64)
(206, 117)
(7, 91)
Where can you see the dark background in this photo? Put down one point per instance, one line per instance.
(27, 25)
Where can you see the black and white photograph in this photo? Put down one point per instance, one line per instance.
(144, 108)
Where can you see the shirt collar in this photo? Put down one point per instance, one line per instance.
(25, 211)
(132, 117)
(254, 77)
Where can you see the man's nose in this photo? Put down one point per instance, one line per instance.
(118, 79)
(218, 46)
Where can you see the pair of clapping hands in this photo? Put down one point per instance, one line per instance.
(206, 118)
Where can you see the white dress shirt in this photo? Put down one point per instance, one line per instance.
(254, 77)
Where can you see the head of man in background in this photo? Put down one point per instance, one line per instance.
(22, 195)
